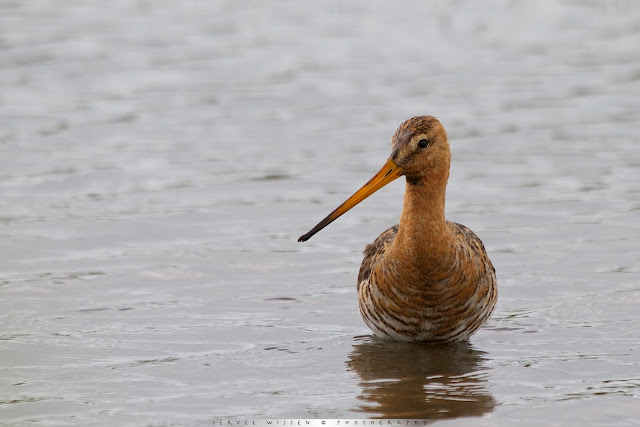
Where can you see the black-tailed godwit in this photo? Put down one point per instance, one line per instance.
(426, 279)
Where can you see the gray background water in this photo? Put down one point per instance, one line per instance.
(159, 160)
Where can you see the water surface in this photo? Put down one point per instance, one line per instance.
(159, 160)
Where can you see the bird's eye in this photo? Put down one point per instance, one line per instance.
(423, 143)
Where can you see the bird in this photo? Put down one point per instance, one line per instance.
(425, 279)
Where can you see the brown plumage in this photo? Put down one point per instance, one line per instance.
(426, 279)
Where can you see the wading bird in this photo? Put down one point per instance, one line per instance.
(426, 279)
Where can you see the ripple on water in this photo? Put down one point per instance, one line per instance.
(154, 184)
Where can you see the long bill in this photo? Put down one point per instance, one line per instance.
(389, 172)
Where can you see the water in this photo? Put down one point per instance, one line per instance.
(159, 160)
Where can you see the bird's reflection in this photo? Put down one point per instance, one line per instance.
(404, 380)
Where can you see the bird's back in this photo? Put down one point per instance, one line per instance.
(374, 252)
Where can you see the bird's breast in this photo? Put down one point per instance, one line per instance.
(439, 301)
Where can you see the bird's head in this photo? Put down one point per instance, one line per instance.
(420, 151)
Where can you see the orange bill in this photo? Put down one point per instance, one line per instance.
(389, 172)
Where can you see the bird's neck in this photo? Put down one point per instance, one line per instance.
(424, 240)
